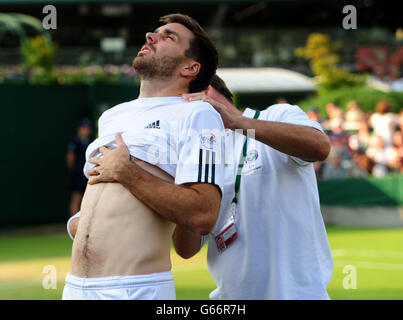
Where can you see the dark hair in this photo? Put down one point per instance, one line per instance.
(201, 48)
(84, 122)
(219, 84)
(382, 107)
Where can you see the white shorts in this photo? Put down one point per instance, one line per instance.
(154, 286)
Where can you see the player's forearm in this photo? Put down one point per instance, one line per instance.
(295, 140)
(189, 207)
(187, 243)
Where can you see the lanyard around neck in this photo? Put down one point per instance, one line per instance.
(241, 164)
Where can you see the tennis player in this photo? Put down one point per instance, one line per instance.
(121, 248)
(269, 241)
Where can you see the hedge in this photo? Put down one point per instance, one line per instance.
(365, 96)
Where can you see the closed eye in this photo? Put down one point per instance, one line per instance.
(168, 33)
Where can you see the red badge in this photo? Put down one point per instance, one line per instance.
(226, 237)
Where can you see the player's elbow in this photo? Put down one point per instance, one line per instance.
(186, 242)
(319, 148)
(185, 254)
(205, 221)
(206, 207)
(204, 228)
(324, 147)
(184, 250)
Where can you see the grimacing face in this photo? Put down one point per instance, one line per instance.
(164, 52)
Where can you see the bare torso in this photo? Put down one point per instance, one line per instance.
(118, 235)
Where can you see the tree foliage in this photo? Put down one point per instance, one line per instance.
(324, 59)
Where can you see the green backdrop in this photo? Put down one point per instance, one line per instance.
(38, 122)
(371, 191)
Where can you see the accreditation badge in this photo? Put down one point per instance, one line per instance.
(226, 237)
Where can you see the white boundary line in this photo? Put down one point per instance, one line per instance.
(367, 253)
(370, 265)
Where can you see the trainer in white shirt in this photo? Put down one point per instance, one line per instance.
(277, 247)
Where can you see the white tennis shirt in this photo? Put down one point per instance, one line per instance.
(282, 250)
(185, 139)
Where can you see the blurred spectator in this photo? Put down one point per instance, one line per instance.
(336, 119)
(361, 165)
(392, 153)
(331, 108)
(75, 162)
(334, 168)
(365, 163)
(319, 167)
(384, 122)
(376, 152)
(281, 100)
(360, 140)
(354, 112)
(400, 160)
(313, 114)
(354, 116)
(340, 146)
(361, 144)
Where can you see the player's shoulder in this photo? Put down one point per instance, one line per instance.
(115, 110)
(200, 108)
(279, 110)
(283, 107)
(119, 106)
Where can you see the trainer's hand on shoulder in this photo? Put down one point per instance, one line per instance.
(113, 162)
(229, 119)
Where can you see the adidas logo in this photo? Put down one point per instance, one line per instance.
(154, 125)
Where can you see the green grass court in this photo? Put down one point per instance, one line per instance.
(376, 254)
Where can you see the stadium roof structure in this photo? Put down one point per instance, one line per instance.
(259, 80)
(120, 1)
(126, 1)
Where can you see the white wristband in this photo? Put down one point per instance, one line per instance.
(76, 216)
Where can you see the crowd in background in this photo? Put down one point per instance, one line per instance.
(362, 144)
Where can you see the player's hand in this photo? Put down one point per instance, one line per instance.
(228, 117)
(113, 163)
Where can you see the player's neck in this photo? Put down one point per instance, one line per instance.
(161, 88)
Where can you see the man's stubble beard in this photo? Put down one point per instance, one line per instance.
(156, 68)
